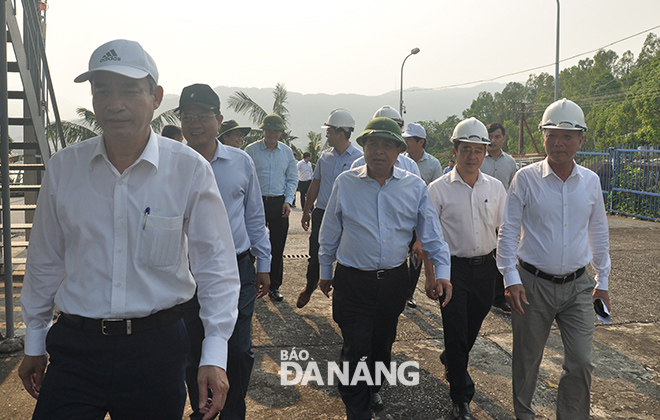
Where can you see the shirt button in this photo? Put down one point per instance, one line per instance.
(120, 182)
(118, 285)
(119, 251)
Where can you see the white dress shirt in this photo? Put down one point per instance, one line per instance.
(305, 170)
(111, 245)
(562, 225)
(468, 215)
(239, 187)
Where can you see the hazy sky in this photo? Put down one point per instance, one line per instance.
(338, 46)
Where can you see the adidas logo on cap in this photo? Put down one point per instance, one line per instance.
(110, 56)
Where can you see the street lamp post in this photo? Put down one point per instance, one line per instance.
(412, 52)
(557, 59)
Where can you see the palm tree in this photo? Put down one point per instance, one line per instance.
(88, 127)
(315, 145)
(241, 103)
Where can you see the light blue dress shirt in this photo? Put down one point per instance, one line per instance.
(368, 226)
(277, 169)
(402, 161)
(429, 167)
(329, 166)
(239, 187)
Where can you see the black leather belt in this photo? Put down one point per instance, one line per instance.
(243, 254)
(378, 274)
(475, 260)
(555, 279)
(118, 326)
(268, 197)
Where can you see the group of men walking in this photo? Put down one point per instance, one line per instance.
(148, 247)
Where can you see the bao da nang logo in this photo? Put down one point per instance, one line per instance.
(296, 367)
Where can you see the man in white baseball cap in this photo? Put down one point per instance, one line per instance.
(121, 221)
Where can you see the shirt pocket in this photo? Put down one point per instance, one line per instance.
(161, 241)
(487, 213)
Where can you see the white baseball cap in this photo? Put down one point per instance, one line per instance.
(121, 56)
(415, 130)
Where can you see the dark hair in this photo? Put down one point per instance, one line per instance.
(171, 131)
(347, 132)
(307, 154)
(492, 127)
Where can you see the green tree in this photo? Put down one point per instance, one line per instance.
(315, 145)
(241, 103)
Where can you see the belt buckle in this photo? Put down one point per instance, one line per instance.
(109, 321)
(476, 260)
(381, 274)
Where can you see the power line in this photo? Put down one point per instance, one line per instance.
(534, 68)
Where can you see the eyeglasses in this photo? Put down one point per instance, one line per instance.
(203, 118)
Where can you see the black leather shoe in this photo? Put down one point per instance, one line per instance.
(461, 411)
(411, 302)
(275, 295)
(502, 304)
(376, 402)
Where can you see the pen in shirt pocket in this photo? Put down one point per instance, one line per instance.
(144, 219)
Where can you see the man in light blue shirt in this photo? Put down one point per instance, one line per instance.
(237, 181)
(278, 177)
(367, 226)
(333, 161)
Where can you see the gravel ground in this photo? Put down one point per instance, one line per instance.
(627, 351)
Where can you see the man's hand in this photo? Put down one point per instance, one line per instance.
(262, 283)
(215, 379)
(603, 295)
(305, 220)
(326, 287)
(31, 371)
(438, 289)
(516, 296)
(417, 250)
(286, 210)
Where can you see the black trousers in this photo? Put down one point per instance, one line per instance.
(278, 228)
(137, 376)
(472, 297)
(313, 268)
(303, 186)
(367, 311)
(240, 358)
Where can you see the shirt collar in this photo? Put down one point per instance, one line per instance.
(221, 151)
(350, 150)
(546, 170)
(454, 176)
(262, 145)
(397, 173)
(149, 154)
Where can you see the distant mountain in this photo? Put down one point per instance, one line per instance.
(309, 111)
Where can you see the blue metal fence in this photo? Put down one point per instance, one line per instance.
(630, 179)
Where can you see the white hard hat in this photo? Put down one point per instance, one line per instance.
(564, 115)
(389, 112)
(470, 131)
(340, 118)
